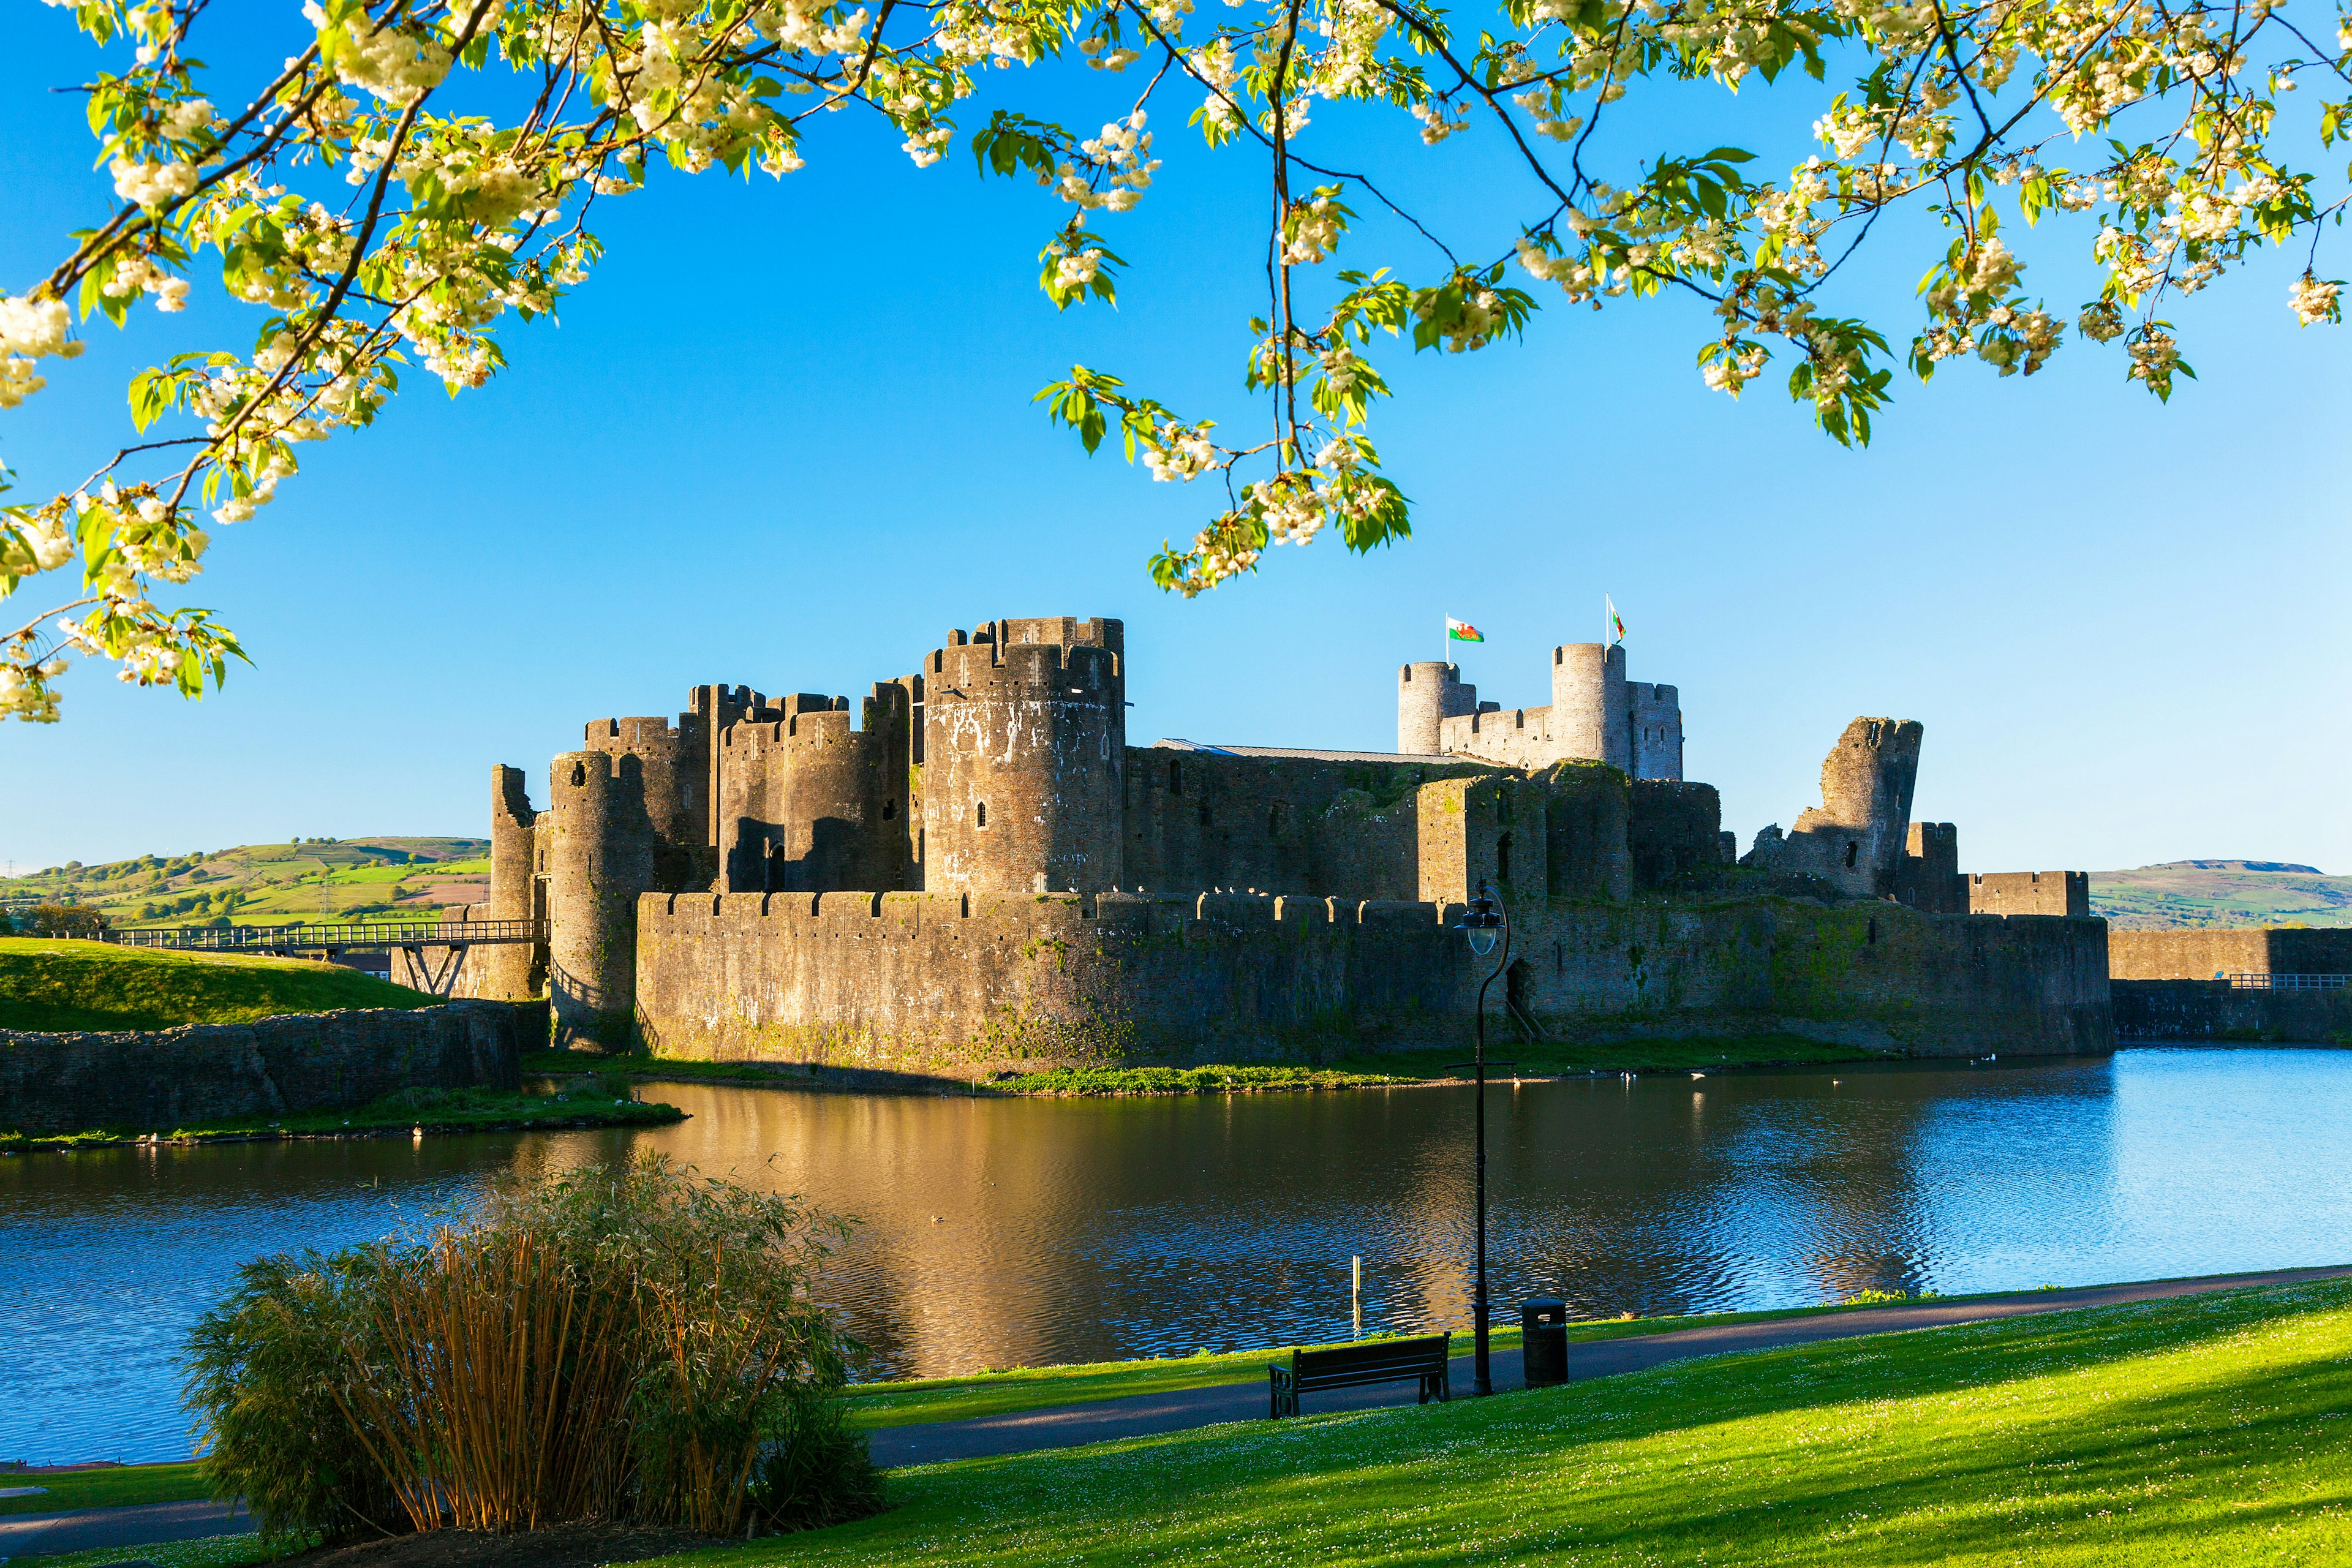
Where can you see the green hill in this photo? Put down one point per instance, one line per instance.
(270, 884)
(2186, 893)
(54, 985)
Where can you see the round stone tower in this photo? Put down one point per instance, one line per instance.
(1024, 735)
(1427, 692)
(1589, 721)
(599, 857)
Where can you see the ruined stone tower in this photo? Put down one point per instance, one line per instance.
(1428, 692)
(1857, 839)
(511, 972)
(597, 841)
(1024, 734)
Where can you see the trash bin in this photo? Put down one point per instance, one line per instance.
(1544, 1322)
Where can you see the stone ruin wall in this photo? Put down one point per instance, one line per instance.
(962, 986)
(2030, 893)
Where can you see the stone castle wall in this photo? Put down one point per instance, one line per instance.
(2213, 1012)
(965, 984)
(156, 1080)
(2030, 893)
(2203, 954)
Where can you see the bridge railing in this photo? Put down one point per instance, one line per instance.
(328, 938)
(2290, 982)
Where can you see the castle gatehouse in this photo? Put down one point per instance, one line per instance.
(976, 871)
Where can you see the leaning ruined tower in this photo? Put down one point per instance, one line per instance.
(1024, 735)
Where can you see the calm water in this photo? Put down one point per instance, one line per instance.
(1004, 1232)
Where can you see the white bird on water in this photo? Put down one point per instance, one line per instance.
(1698, 1075)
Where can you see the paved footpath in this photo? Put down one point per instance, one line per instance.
(1068, 1425)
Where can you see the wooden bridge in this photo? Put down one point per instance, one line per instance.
(359, 936)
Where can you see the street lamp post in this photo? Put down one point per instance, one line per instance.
(1482, 922)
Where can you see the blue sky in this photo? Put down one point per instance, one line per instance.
(784, 436)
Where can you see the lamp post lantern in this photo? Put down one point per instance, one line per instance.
(1483, 922)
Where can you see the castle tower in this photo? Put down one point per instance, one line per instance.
(677, 801)
(511, 972)
(599, 858)
(1654, 731)
(712, 710)
(1589, 715)
(1024, 734)
(1429, 691)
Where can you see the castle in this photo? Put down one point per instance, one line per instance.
(980, 872)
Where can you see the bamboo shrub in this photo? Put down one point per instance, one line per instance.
(501, 1398)
(635, 1344)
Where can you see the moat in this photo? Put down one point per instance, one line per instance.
(1025, 1232)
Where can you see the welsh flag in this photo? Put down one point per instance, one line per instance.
(1462, 631)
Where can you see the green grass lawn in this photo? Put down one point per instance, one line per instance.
(435, 1111)
(117, 1485)
(58, 985)
(2206, 1430)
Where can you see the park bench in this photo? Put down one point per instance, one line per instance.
(1367, 1361)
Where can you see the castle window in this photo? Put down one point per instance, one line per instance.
(1206, 821)
(579, 773)
(1503, 858)
(1274, 820)
(1502, 804)
(1872, 937)
(1852, 849)
(1175, 777)
(980, 815)
(889, 811)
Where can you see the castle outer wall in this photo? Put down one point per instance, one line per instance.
(964, 985)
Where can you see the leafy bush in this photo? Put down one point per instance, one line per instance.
(264, 1371)
(67, 920)
(635, 1343)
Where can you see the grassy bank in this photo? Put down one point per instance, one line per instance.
(1368, 1070)
(430, 1110)
(2205, 1430)
(115, 1486)
(60, 986)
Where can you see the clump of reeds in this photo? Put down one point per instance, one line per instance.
(637, 1343)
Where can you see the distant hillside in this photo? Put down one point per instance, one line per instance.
(2182, 894)
(270, 884)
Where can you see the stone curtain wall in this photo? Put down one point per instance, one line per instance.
(2030, 893)
(2202, 954)
(1201, 820)
(963, 986)
(155, 1080)
(2214, 1011)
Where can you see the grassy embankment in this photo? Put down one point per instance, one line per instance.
(2206, 1430)
(63, 985)
(1367, 1071)
(58, 985)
